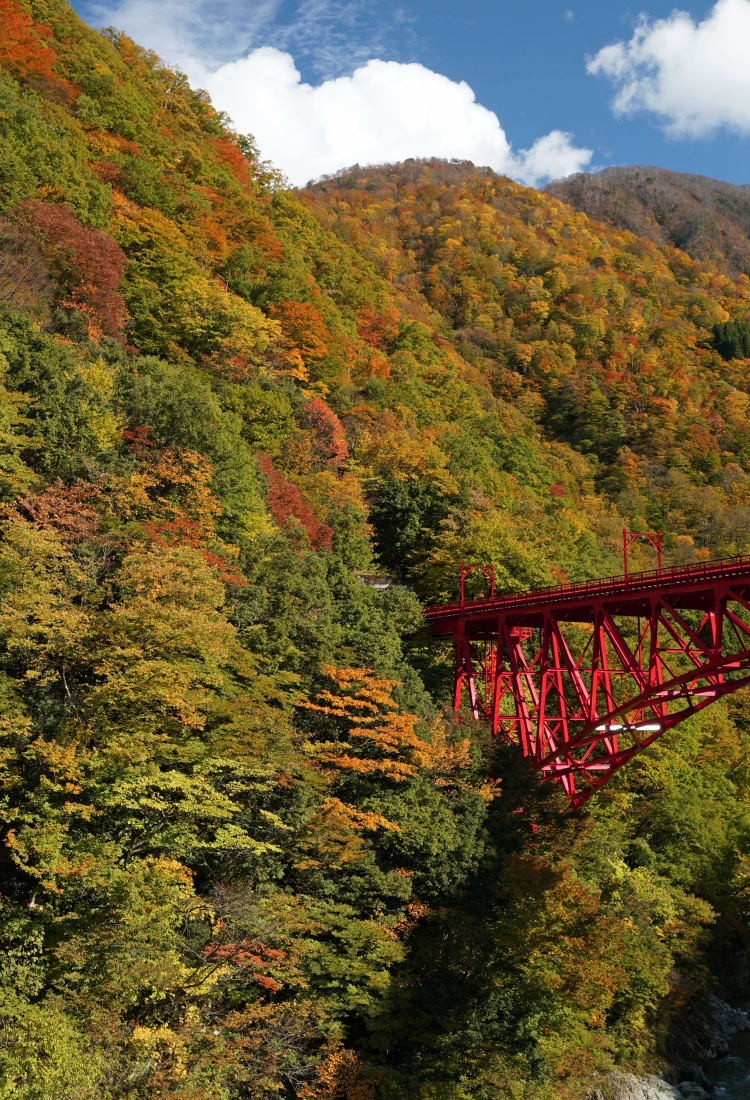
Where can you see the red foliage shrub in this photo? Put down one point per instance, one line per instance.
(286, 502)
(227, 572)
(89, 264)
(25, 280)
(183, 530)
(326, 432)
(137, 440)
(250, 956)
(105, 170)
(69, 509)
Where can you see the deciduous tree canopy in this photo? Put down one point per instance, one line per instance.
(245, 850)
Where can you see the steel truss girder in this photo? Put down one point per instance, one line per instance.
(581, 696)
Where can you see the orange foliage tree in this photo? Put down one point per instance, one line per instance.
(172, 494)
(306, 335)
(25, 48)
(374, 737)
(378, 329)
(69, 509)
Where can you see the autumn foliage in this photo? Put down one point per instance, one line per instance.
(288, 507)
(245, 434)
(88, 262)
(326, 433)
(26, 49)
(68, 509)
(305, 334)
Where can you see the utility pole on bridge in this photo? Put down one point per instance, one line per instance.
(629, 537)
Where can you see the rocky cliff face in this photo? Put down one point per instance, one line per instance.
(716, 1026)
(626, 1086)
(728, 1022)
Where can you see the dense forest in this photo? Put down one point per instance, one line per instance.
(245, 849)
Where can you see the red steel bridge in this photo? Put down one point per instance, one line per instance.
(582, 677)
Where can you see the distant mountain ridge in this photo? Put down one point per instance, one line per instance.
(707, 218)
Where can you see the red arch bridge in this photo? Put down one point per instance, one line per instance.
(583, 677)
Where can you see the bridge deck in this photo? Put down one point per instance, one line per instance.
(686, 587)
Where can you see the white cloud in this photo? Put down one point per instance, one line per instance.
(385, 111)
(694, 76)
(550, 157)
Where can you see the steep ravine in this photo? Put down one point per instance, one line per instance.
(724, 1072)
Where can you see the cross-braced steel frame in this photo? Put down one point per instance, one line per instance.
(583, 677)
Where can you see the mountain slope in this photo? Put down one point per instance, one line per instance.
(244, 850)
(708, 219)
(605, 339)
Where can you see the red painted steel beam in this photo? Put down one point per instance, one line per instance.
(582, 678)
(690, 587)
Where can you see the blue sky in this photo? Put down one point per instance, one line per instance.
(572, 85)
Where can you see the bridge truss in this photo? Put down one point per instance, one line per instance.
(583, 677)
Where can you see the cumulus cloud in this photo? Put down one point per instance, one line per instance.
(358, 110)
(694, 76)
(550, 157)
(385, 111)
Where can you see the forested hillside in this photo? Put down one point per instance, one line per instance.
(622, 349)
(246, 851)
(707, 218)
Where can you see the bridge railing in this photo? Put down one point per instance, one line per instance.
(708, 569)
